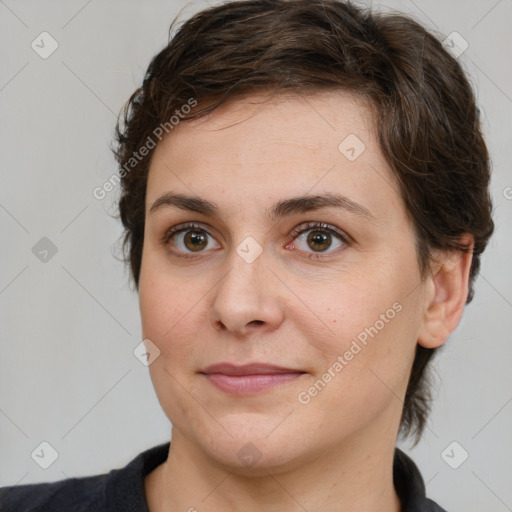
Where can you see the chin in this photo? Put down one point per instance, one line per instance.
(255, 448)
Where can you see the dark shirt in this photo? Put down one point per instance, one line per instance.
(122, 490)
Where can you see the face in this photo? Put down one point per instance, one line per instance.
(328, 289)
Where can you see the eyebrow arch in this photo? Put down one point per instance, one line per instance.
(279, 210)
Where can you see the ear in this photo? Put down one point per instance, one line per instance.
(448, 288)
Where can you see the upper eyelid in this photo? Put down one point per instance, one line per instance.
(182, 226)
(309, 225)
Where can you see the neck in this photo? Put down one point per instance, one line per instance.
(355, 476)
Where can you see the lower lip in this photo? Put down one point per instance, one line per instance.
(249, 384)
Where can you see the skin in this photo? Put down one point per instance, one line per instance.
(336, 451)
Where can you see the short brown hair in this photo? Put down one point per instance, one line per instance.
(428, 122)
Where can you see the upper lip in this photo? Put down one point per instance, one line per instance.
(248, 369)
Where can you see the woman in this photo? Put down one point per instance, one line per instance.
(305, 202)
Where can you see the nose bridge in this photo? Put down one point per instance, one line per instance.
(246, 295)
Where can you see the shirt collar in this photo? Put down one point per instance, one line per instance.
(126, 485)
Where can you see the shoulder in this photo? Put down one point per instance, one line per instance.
(432, 506)
(78, 494)
(120, 490)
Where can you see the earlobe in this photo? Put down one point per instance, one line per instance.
(446, 296)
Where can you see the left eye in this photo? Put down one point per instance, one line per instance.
(320, 237)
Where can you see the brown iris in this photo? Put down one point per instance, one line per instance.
(196, 239)
(319, 237)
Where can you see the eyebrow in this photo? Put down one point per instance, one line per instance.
(281, 209)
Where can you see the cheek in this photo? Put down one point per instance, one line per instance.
(369, 335)
(361, 379)
(166, 301)
(173, 318)
(170, 320)
(349, 309)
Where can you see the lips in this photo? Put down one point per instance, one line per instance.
(250, 378)
(248, 369)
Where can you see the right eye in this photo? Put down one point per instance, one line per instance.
(187, 237)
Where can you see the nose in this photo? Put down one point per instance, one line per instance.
(246, 299)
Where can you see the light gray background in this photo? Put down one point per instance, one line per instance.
(69, 326)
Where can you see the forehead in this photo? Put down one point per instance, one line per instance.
(261, 147)
(316, 118)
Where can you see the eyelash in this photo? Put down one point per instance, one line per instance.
(296, 232)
